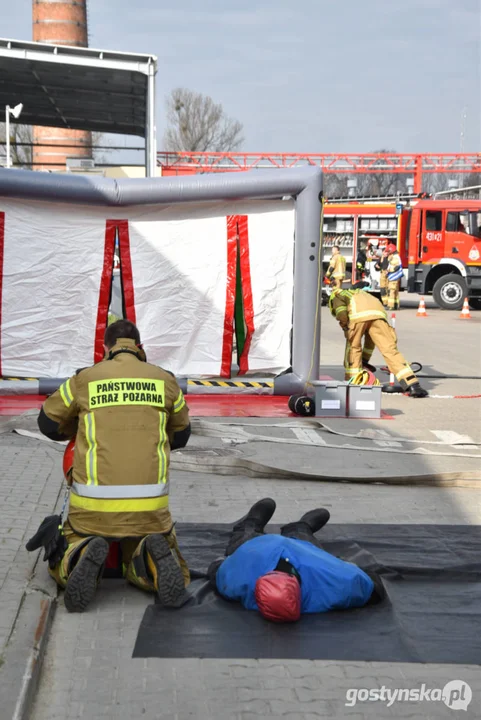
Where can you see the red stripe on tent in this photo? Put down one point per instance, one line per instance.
(105, 287)
(228, 338)
(126, 270)
(2, 240)
(247, 292)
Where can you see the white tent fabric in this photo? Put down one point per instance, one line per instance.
(179, 270)
(52, 278)
(271, 255)
(52, 266)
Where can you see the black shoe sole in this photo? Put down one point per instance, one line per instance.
(170, 580)
(83, 581)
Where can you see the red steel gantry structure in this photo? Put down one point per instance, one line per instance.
(414, 164)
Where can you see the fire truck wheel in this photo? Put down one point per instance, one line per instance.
(449, 292)
(475, 303)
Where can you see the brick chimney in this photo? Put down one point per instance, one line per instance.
(60, 22)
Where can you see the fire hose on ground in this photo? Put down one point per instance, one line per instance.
(208, 461)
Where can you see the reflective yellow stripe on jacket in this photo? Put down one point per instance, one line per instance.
(161, 448)
(119, 498)
(118, 506)
(66, 393)
(367, 315)
(91, 456)
(355, 314)
(179, 403)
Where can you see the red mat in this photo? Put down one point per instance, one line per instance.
(238, 405)
(199, 405)
(268, 406)
(18, 404)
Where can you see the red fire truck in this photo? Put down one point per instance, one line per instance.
(439, 242)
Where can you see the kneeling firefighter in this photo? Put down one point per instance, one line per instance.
(286, 575)
(126, 416)
(364, 322)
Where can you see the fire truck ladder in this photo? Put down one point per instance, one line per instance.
(378, 198)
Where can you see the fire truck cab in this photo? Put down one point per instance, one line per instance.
(442, 246)
(439, 242)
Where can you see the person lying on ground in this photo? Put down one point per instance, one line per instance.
(286, 575)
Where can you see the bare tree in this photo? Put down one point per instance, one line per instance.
(335, 185)
(21, 154)
(100, 147)
(381, 183)
(197, 124)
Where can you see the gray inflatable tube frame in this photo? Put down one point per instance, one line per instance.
(303, 184)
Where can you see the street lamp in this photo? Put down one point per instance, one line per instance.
(14, 112)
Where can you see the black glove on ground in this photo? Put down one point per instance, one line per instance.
(49, 536)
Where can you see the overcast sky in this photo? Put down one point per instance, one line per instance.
(308, 75)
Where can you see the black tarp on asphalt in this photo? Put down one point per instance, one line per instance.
(432, 575)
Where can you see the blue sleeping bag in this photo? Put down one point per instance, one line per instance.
(327, 583)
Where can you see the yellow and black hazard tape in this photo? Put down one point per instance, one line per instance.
(16, 379)
(231, 383)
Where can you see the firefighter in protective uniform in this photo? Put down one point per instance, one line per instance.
(381, 266)
(364, 322)
(394, 275)
(390, 267)
(126, 415)
(336, 272)
(361, 260)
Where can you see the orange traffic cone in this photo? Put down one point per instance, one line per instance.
(421, 309)
(465, 314)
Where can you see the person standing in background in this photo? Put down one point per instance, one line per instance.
(382, 267)
(336, 272)
(393, 275)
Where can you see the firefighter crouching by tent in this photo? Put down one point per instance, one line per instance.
(336, 272)
(365, 325)
(126, 415)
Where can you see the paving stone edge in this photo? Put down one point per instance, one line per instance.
(26, 646)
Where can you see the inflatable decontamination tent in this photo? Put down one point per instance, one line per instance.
(214, 269)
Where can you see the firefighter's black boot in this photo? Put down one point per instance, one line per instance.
(166, 571)
(85, 577)
(309, 524)
(316, 519)
(416, 391)
(251, 525)
(258, 516)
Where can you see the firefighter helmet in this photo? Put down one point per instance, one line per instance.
(278, 597)
(391, 248)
